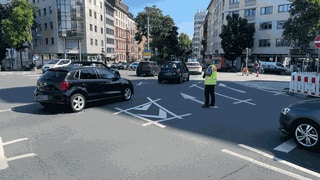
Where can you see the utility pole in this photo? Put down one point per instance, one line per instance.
(148, 33)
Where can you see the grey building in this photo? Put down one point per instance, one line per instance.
(199, 18)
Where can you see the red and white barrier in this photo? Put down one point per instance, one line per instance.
(305, 83)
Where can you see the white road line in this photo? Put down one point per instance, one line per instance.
(3, 159)
(5, 110)
(14, 141)
(21, 156)
(280, 160)
(286, 146)
(264, 165)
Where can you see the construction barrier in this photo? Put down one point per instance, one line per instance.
(305, 83)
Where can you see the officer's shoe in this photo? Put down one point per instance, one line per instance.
(205, 106)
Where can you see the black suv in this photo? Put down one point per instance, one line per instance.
(173, 70)
(93, 63)
(76, 86)
(147, 68)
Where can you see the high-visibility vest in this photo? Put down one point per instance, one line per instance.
(211, 79)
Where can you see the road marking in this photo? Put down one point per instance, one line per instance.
(238, 100)
(162, 115)
(286, 146)
(5, 110)
(4, 160)
(280, 160)
(264, 165)
(186, 96)
(225, 86)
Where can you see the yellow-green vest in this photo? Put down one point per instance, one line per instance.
(211, 79)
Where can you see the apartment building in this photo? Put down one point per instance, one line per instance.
(196, 39)
(96, 30)
(268, 18)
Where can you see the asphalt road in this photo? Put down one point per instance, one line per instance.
(161, 133)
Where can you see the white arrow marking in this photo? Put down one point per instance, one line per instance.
(143, 107)
(186, 96)
(140, 83)
(162, 115)
(225, 86)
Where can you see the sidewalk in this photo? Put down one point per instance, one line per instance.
(264, 81)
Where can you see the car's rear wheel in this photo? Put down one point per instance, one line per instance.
(127, 93)
(306, 134)
(77, 102)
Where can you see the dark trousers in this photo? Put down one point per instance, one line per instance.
(209, 92)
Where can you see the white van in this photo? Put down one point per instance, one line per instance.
(273, 67)
(53, 63)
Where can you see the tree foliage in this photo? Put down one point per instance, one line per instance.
(16, 27)
(303, 24)
(185, 46)
(163, 33)
(236, 36)
(5, 12)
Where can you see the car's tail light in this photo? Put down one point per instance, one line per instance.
(64, 85)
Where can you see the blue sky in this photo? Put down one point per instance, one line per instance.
(181, 11)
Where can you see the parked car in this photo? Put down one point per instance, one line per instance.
(301, 121)
(133, 66)
(273, 68)
(114, 65)
(93, 63)
(122, 65)
(54, 63)
(147, 68)
(173, 71)
(194, 67)
(74, 87)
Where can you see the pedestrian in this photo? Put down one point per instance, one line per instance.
(210, 81)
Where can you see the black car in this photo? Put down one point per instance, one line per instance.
(173, 71)
(147, 68)
(93, 63)
(301, 121)
(76, 86)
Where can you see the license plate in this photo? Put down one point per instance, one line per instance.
(43, 97)
(167, 74)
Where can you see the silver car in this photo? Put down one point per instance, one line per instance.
(54, 63)
(301, 121)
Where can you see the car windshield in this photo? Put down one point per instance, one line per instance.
(54, 61)
(193, 64)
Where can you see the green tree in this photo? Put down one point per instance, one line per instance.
(5, 12)
(236, 36)
(17, 27)
(161, 30)
(303, 24)
(185, 46)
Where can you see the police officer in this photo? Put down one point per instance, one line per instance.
(210, 76)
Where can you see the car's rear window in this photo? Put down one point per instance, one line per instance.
(56, 76)
(169, 65)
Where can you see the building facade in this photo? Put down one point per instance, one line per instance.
(196, 39)
(95, 30)
(268, 18)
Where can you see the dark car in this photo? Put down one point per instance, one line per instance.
(147, 68)
(123, 65)
(301, 121)
(173, 71)
(77, 86)
(93, 63)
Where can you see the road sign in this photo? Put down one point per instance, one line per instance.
(317, 42)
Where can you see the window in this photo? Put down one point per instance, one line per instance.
(45, 26)
(91, 41)
(52, 40)
(47, 41)
(88, 74)
(105, 74)
(90, 12)
(265, 25)
(95, 15)
(234, 1)
(101, 30)
(264, 42)
(280, 24)
(281, 42)
(102, 43)
(95, 29)
(51, 25)
(284, 8)
(90, 27)
(96, 42)
(50, 9)
(249, 12)
(44, 11)
(266, 10)
(39, 12)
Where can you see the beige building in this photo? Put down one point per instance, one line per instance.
(268, 18)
